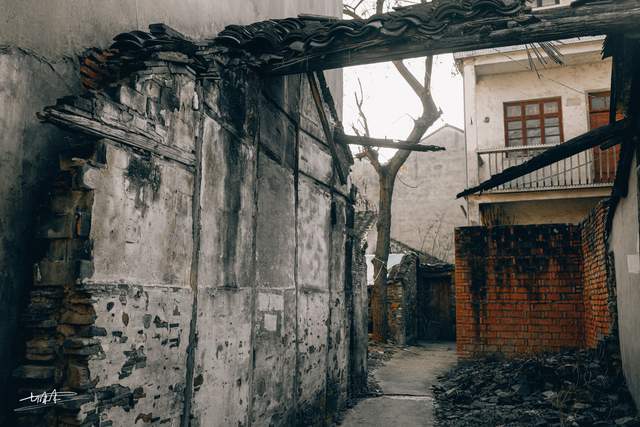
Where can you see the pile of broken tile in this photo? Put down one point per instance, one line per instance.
(572, 388)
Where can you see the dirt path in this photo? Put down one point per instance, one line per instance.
(406, 381)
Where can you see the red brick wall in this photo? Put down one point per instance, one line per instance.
(518, 289)
(534, 288)
(597, 316)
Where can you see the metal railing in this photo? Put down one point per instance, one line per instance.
(591, 168)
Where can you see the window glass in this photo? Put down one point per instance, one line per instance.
(600, 102)
(552, 139)
(535, 122)
(532, 109)
(514, 110)
(515, 142)
(552, 131)
(515, 134)
(516, 124)
(551, 121)
(533, 132)
(550, 107)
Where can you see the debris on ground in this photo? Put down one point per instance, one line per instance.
(378, 354)
(571, 388)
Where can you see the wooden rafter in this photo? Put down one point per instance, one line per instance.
(326, 127)
(385, 143)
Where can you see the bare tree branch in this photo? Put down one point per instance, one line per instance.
(350, 13)
(428, 67)
(387, 173)
(409, 78)
(371, 154)
(430, 113)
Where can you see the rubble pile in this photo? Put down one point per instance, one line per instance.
(572, 388)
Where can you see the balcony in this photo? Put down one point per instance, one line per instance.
(589, 169)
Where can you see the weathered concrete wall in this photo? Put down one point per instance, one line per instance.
(27, 159)
(565, 211)
(358, 304)
(425, 211)
(72, 27)
(217, 290)
(624, 241)
(39, 46)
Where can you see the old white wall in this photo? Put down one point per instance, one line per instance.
(624, 241)
(563, 211)
(60, 27)
(40, 42)
(571, 83)
(424, 208)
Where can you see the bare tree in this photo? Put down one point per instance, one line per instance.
(387, 172)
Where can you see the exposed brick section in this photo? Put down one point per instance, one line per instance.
(59, 315)
(518, 289)
(535, 288)
(598, 316)
(401, 299)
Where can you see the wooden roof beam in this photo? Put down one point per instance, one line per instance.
(584, 18)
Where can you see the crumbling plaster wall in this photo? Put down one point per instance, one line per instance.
(623, 242)
(209, 282)
(39, 45)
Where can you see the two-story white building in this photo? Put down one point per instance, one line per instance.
(514, 111)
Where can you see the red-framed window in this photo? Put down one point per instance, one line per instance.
(533, 122)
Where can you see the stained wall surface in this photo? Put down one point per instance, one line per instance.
(207, 278)
(624, 241)
(526, 289)
(39, 46)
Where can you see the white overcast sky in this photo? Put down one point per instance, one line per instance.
(389, 102)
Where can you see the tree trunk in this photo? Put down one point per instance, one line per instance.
(379, 293)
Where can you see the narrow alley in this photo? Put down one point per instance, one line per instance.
(320, 213)
(405, 380)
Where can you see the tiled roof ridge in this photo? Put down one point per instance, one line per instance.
(283, 38)
(291, 35)
(131, 50)
(425, 258)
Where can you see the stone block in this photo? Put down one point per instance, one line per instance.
(35, 372)
(275, 236)
(78, 377)
(279, 136)
(57, 226)
(132, 99)
(53, 273)
(314, 230)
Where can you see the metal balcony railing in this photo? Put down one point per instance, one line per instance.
(591, 168)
